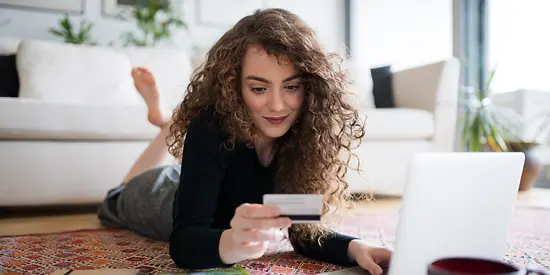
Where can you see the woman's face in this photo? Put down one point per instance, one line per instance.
(272, 91)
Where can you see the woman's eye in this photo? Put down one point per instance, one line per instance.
(292, 87)
(259, 90)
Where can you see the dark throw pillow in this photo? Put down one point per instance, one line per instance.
(9, 79)
(382, 87)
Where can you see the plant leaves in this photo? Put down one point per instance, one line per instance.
(149, 24)
(489, 81)
(67, 31)
(57, 32)
(497, 138)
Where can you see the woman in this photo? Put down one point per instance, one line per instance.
(265, 114)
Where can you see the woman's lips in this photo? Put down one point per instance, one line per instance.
(276, 120)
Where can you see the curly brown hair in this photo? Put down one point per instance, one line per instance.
(309, 159)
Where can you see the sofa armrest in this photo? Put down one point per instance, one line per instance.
(445, 123)
(433, 87)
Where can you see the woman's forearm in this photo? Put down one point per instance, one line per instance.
(334, 248)
(196, 247)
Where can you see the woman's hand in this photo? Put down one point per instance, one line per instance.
(252, 228)
(369, 257)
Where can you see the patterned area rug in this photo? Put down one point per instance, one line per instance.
(529, 245)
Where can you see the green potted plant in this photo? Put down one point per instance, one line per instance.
(70, 34)
(533, 164)
(483, 127)
(156, 22)
(490, 128)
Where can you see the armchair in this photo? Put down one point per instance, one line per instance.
(424, 120)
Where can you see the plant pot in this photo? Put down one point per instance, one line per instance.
(533, 164)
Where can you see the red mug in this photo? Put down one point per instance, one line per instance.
(470, 266)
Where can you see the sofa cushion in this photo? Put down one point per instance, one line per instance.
(23, 118)
(382, 88)
(68, 73)
(398, 123)
(8, 45)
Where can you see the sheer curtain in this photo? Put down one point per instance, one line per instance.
(519, 44)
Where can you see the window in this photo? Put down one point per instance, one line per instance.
(519, 44)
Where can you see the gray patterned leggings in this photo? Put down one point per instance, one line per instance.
(144, 204)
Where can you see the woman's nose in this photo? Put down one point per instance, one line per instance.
(276, 101)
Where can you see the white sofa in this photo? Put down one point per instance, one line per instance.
(79, 124)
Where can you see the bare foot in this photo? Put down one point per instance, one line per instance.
(146, 85)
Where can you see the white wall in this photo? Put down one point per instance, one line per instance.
(401, 33)
(208, 19)
(327, 20)
(33, 23)
(396, 32)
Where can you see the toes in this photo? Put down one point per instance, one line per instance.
(142, 72)
(136, 73)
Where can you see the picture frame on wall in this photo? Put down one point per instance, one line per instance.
(119, 8)
(60, 6)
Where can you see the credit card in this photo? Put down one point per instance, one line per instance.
(300, 208)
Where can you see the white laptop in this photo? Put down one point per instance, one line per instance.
(455, 204)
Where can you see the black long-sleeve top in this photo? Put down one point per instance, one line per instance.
(214, 181)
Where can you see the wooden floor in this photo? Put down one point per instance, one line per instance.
(59, 223)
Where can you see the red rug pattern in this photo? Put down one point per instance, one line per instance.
(529, 245)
